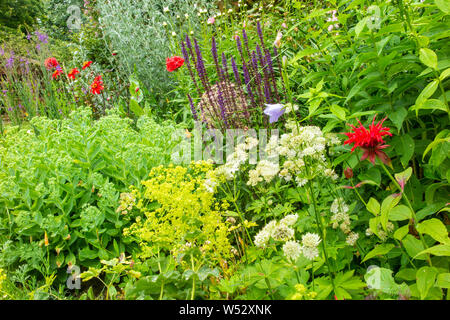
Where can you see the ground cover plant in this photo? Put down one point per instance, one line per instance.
(245, 150)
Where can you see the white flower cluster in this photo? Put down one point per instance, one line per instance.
(265, 170)
(280, 231)
(304, 152)
(292, 250)
(236, 159)
(310, 242)
(340, 216)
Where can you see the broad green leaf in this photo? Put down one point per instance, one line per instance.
(381, 279)
(400, 213)
(428, 58)
(444, 74)
(360, 26)
(400, 233)
(338, 111)
(403, 177)
(407, 274)
(443, 280)
(434, 228)
(443, 5)
(373, 206)
(379, 250)
(407, 148)
(426, 276)
(426, 93)
(398, 117)
(414, 247)
(441, 250)
(386, 206)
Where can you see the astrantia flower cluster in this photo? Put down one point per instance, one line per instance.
(341, 219)
(304, 151)
(310, 242)
(279, 231)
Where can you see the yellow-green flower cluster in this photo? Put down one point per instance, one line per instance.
(180, 213)
(301, 293)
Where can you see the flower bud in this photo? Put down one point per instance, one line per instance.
(348, 173)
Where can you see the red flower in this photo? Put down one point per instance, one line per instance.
(173, 63)
(348, 173)
(51, 63)
(370, 141)
(86, 64)
(72, 73)
(57, 72)
(97, 85)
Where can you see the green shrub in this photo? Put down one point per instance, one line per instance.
(60, 183)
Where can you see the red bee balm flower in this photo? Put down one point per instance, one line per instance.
(51, 63)
(86, 64)
(370, 141)
(173, 63)
(97, 85)
(72, 73)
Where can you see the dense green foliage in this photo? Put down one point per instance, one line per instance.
(351, 201)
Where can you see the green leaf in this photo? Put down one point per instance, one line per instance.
(381, 279)
(398, 117)
(426, 277)
(400, 233)
(407, 274)
(434, 228)
(441, 250)
(426, 93)
(373, 206)
(400, 213)
(444, 74)
(428, 58)
(443, 280)
(414, 247)
(386, 206)
(338, 111)
(135, 107)
(407, 149)
(360, 26)
(379, 250)
(443, 5)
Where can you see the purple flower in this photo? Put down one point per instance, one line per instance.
(42, 37)
(222, 108)
(38, 47)
(194, 113)
(274, 111)
(2, 51)
(29, 36)
(9, 109)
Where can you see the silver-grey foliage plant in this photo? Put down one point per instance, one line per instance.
(140, 32)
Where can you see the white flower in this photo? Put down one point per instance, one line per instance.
(311, 240)
(351, 238)
(174, 33)
(277, 42)
(339, 205)
(282, 232)
(164, 24)
(290, 219)
(186, 16)
(310, 253)
(292, 250)
(166, 9)
(209, 185)
(262, 238)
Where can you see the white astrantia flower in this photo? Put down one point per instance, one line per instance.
(339, 205)
(352, 237)
(290, 219)
(282, 232)
(310, 253)
(292, 250)
(209, 185)
(166, 9)
(310, 240)
(250, 143)
(262, 238)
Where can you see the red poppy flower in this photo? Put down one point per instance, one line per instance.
(173, 63)
(72, 73)
(97, 85)
(86, 64)
(370, 141)
(51, 63)
(57, 73)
